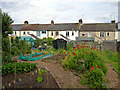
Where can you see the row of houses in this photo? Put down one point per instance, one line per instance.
(69, 31)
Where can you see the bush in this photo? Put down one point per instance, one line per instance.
(93, 78)
(20, 67)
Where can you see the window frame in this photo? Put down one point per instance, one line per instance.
(67, 33)
(43, 32)
(89, 34)
(83, 34)
(51, 33)
(56, 33)
(101, 34)
(72, 33)
(28, 32)
(38, 33)
(24, 33)
(107, 34)
(15, 32)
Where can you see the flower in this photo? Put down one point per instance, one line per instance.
(74, 53)
(69, 61)
(87, 46)
(64, 52)
(97, 66)
(68, 53)
(96, 50)
(63, 57)
(86, 52)
(100, 66)
(78, 47)
(92, 68)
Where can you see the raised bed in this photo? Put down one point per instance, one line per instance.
(29, 80)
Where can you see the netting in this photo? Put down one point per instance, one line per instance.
(30, 57)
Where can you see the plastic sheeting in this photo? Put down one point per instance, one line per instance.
(30, 57)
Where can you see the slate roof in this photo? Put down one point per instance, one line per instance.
(29, 27)
(16, 27)
(66, 26)
(98, 27)
(42, 27)
(63, 27)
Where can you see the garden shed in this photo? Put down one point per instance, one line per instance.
(59, 44)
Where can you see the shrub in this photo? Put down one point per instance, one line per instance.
(95, 78)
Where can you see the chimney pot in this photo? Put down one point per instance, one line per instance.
(25, 22)
(52, 22)
(80, 21)
(113, 21)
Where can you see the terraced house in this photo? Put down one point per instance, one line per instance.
(99, 32)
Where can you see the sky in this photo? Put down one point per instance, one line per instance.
(61, 11)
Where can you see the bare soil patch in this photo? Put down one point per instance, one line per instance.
(29, 80)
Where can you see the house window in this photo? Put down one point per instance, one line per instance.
(23, 33)
(72, 33)
(51, 33)
(67, 34)
(108, 34)
(44, 32)
(38, 33)
(83, 34)
(57, 33)
(28, 32)
(15, 33)
(101, 34)
(89, 34)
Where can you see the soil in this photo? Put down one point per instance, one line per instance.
(66, 79)
(28, 80)
(55, 58)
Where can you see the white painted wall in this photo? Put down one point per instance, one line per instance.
(42, 35)
(70, 34)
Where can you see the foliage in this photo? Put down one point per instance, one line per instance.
(83, 58)
(20, 46)
(39, 79)
(41, 42)
(6, 22)
(17, 67)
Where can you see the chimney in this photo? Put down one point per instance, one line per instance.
(113, 21)
(52, 22)
(25, 22)
(80, 21)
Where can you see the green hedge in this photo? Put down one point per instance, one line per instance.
(20, 67)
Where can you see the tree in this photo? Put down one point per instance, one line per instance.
(6, 22)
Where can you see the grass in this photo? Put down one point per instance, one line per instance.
(113, 59)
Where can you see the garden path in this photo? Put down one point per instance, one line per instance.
(112, 77)
(65, 79)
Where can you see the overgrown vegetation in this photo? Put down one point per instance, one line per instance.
(87, 60)
(42, 42)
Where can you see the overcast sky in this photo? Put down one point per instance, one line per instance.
(61, 11)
